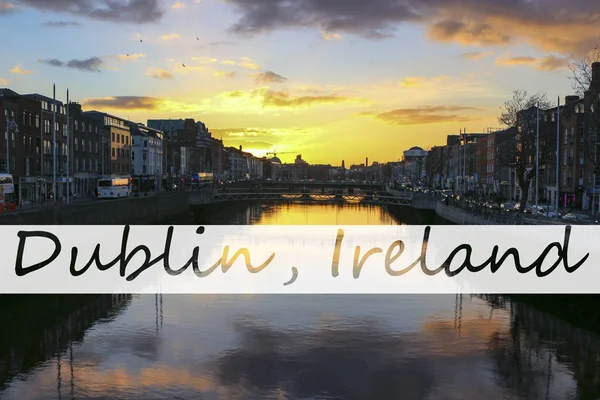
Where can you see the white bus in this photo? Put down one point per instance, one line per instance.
(7, 189)
(114, 188)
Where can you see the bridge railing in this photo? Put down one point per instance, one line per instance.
(284, 190)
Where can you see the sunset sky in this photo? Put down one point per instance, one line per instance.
(328, 79)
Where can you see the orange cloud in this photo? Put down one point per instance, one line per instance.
(419, 81)
(549, 63)
(476, 55)
(331, 36)
(423, 115)
(124, 103)
(20, 71)
(170, 36)
(264, 78)
(225, 74)
(158, 73)
(272, 98)
(178, 5)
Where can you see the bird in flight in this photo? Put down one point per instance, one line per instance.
(183, 65)
(197, 38)
(141, 40)
(127, 55)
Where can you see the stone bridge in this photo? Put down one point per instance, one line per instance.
(407, 199)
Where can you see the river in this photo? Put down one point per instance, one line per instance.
(296, 347)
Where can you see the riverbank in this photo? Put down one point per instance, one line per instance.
(461, 216)
(133, 210)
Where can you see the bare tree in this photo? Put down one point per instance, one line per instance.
(581, 82)
(520, 113)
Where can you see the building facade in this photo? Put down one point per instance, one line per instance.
(117, 144)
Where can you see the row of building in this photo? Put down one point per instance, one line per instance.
(484, 163)
(99, 144)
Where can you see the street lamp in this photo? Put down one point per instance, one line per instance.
(11, 127)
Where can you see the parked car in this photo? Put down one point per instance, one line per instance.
(579, 218)
(546, 211)
(527, 208)
(507, 207)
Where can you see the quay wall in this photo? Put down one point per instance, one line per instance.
(134, 210)
(464, 217)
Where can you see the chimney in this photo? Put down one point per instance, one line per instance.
(367, 162)
(570, 100)
(240, 147)
(596, 72)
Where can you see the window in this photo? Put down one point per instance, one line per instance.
(113, 152)
(83, 126)
(564, 177)
(76, 125)
(113, 136)
(24, 117)
(37, 120)
(82, 144)
(580, 173)
(89, 146)
(590, 178)
(565, 157)
(566, 135)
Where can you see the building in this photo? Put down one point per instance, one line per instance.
(86, 138)
(414, 164)
(117, 144)
(147, 148)
(46, 111)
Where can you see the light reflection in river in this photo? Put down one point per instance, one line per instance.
(299, 347)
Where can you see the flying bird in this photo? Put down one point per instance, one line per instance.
(197, 38)
(183, 65)
(141, 40)
(127, 55)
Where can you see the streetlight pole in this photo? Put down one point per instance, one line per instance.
(54, 142)
(558, 155)
(7, 146)
(68, 149)
(537, 157)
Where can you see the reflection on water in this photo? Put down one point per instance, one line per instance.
(314, 214)
(298, 347)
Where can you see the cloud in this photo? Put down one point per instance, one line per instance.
(331, 36)
(132, 11)
(549, 63)
(124, 103)
(476, 55)
(272, 98)
(236, 94)
(423, 115)
(131, 57)
(472, 33)
(222, 43)
(170, 36)
(419, 81)
(4, 82)
(158, 73)
(540, 24)
(91, 64)
(178, 5)
(6, 7)
(60, 24)
(248, 138)
(225, 74)
(17, 70)
(264, 78)
(243, 62)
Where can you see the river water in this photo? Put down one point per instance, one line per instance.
(296, 347)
